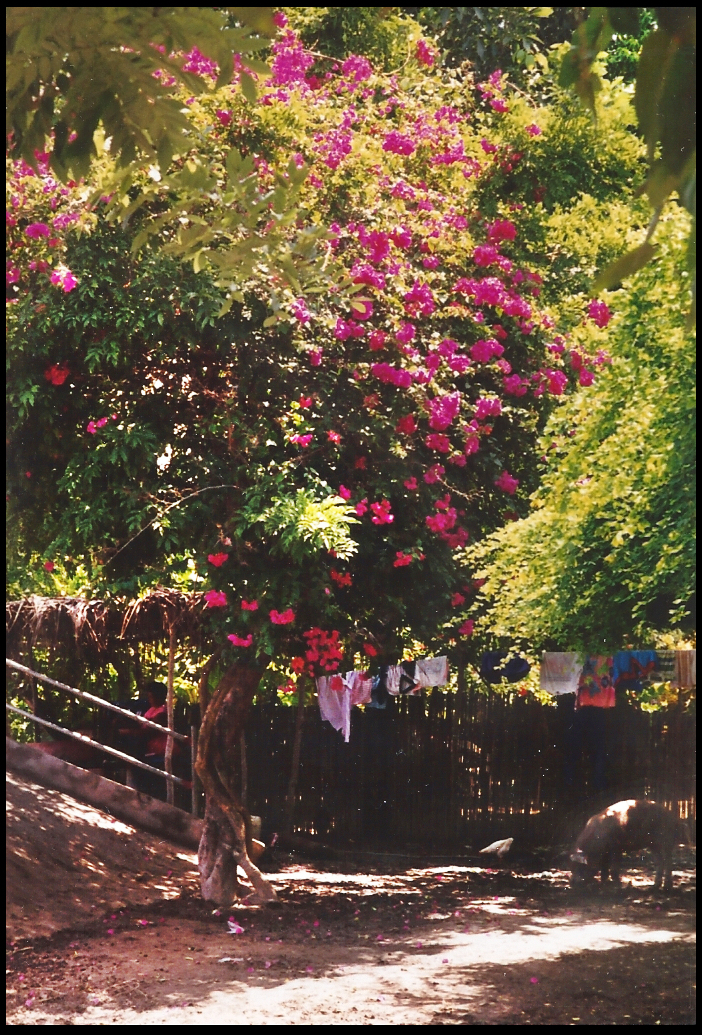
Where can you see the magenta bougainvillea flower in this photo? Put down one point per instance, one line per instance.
(215, 598)
(467, 628)
(282, 617)
(238, 641)
(599, 313)
(402, 559)
(249, 605)
(217, 559)
(507, 483)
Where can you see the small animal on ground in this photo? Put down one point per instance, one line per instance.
(499, 848)
(626, 826)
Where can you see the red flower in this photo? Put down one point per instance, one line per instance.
(334, 436)
(217, 559)
(401, 559)
(370, 650)
(239, 642)
(341, 579)
(215, 598)
(56, 375)
(283, 617)
(467, 628)
(457, 599)
(344, 493)
(49, 565)
(249, 605)
(360, 463)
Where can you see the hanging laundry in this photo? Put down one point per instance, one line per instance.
(595, 687)
(632, 669)
(432, 672)
(494, 668)
(559, 672)
(335, 703)
(360, 685)
(408, 679)
(379, 691)
(664, 671)
(392, 679)
(685, 675)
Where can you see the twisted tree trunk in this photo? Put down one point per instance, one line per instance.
(227, 828)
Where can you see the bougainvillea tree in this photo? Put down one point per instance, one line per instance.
(316, 458)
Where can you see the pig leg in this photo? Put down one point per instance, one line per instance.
(664, 868)
(604, 868)
(616, 865)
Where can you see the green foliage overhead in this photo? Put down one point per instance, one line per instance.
(608, 551)
(71, 68)
(665, 100)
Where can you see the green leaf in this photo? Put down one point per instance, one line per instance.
(248, 87)
(650, 76)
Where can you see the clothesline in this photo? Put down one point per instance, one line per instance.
(338, 694)
(596, 677)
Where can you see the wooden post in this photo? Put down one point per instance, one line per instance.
(168, 760)
(295, 765)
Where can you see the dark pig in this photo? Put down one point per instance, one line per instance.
(624, 827)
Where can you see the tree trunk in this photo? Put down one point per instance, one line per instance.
(295, 766)
(168, 759)
(227, 828)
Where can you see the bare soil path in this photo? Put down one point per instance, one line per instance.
(106, 928)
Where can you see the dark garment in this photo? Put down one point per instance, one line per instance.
(493, 668)
(379, 692)
(408, 680)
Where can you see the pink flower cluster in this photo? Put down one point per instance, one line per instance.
(441, 443)
(434, 474)
(93, 425)
(323, 649)
(63, 278)
(507, 483)
(406, 425)
(381, 513)
(282, 617)
(443, 409)
(487, 407)
(356, 69)
(420, 300)
(217, 559)
(599, 313)
(424, 54)
(485, 350)
(238, 641)
(345, 329)
(291, 61)
(391, 375)
(301, 440)
(249, 605)
(215, 598)
(402, 559)
(399, 144)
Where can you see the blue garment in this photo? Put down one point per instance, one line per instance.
(379, 692)
(633, 667)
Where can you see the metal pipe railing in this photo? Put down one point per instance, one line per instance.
(96, 743)
(95, 700)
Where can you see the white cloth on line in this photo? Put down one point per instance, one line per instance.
(335, 704)
(432, 672)
(559, 672)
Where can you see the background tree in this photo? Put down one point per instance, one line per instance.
(607, 555)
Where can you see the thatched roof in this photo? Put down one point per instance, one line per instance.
(93, 629)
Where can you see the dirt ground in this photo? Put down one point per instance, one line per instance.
(106, 927)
